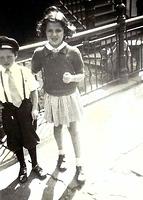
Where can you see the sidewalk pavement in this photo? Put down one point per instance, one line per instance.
(112, 143)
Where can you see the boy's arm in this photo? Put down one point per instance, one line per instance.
(34, 99)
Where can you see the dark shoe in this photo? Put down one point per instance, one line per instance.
(22, 174)
(39, 172)
(61, 163)
(80, 176)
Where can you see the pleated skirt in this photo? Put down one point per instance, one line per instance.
(62, 110)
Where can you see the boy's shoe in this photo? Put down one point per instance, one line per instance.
(39, 172)
(22, 177)
(61, 163)
(80, 176)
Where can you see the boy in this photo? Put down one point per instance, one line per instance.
(18, 94)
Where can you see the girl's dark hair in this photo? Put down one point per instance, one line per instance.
(54, 14)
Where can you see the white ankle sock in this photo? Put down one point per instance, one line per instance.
(61, 152)
(78, 162)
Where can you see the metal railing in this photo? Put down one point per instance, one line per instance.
(100, 52)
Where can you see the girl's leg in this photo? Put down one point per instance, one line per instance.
(61, 164)
(59, 138)
(74, 132)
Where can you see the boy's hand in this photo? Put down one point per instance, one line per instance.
(34, 114)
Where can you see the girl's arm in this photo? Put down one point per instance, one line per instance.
(68, 77)
(77, 77)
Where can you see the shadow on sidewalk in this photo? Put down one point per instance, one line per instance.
(71, 189)
(50, 191)
(16, 191)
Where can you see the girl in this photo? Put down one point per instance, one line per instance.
(62, 69)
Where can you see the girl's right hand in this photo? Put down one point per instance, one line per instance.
(67, 77)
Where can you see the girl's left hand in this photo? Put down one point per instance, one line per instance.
(67, 77)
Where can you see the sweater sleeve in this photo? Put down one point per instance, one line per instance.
(77, 61)
(35, 63)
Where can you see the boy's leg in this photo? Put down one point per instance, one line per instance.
(33, 156)
(73, 129)
(35, 167)
(61, 164)
(23, 170)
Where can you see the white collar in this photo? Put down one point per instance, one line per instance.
(51, 48)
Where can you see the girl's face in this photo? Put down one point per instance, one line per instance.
(54, 33)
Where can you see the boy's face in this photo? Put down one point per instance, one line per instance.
(54, 33)
(7, 58)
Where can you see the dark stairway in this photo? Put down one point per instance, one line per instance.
(105, 13)
(87, 14)
(74, 11)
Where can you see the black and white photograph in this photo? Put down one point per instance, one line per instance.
(71, 100)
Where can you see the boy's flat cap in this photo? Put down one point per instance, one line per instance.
(8, 43)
